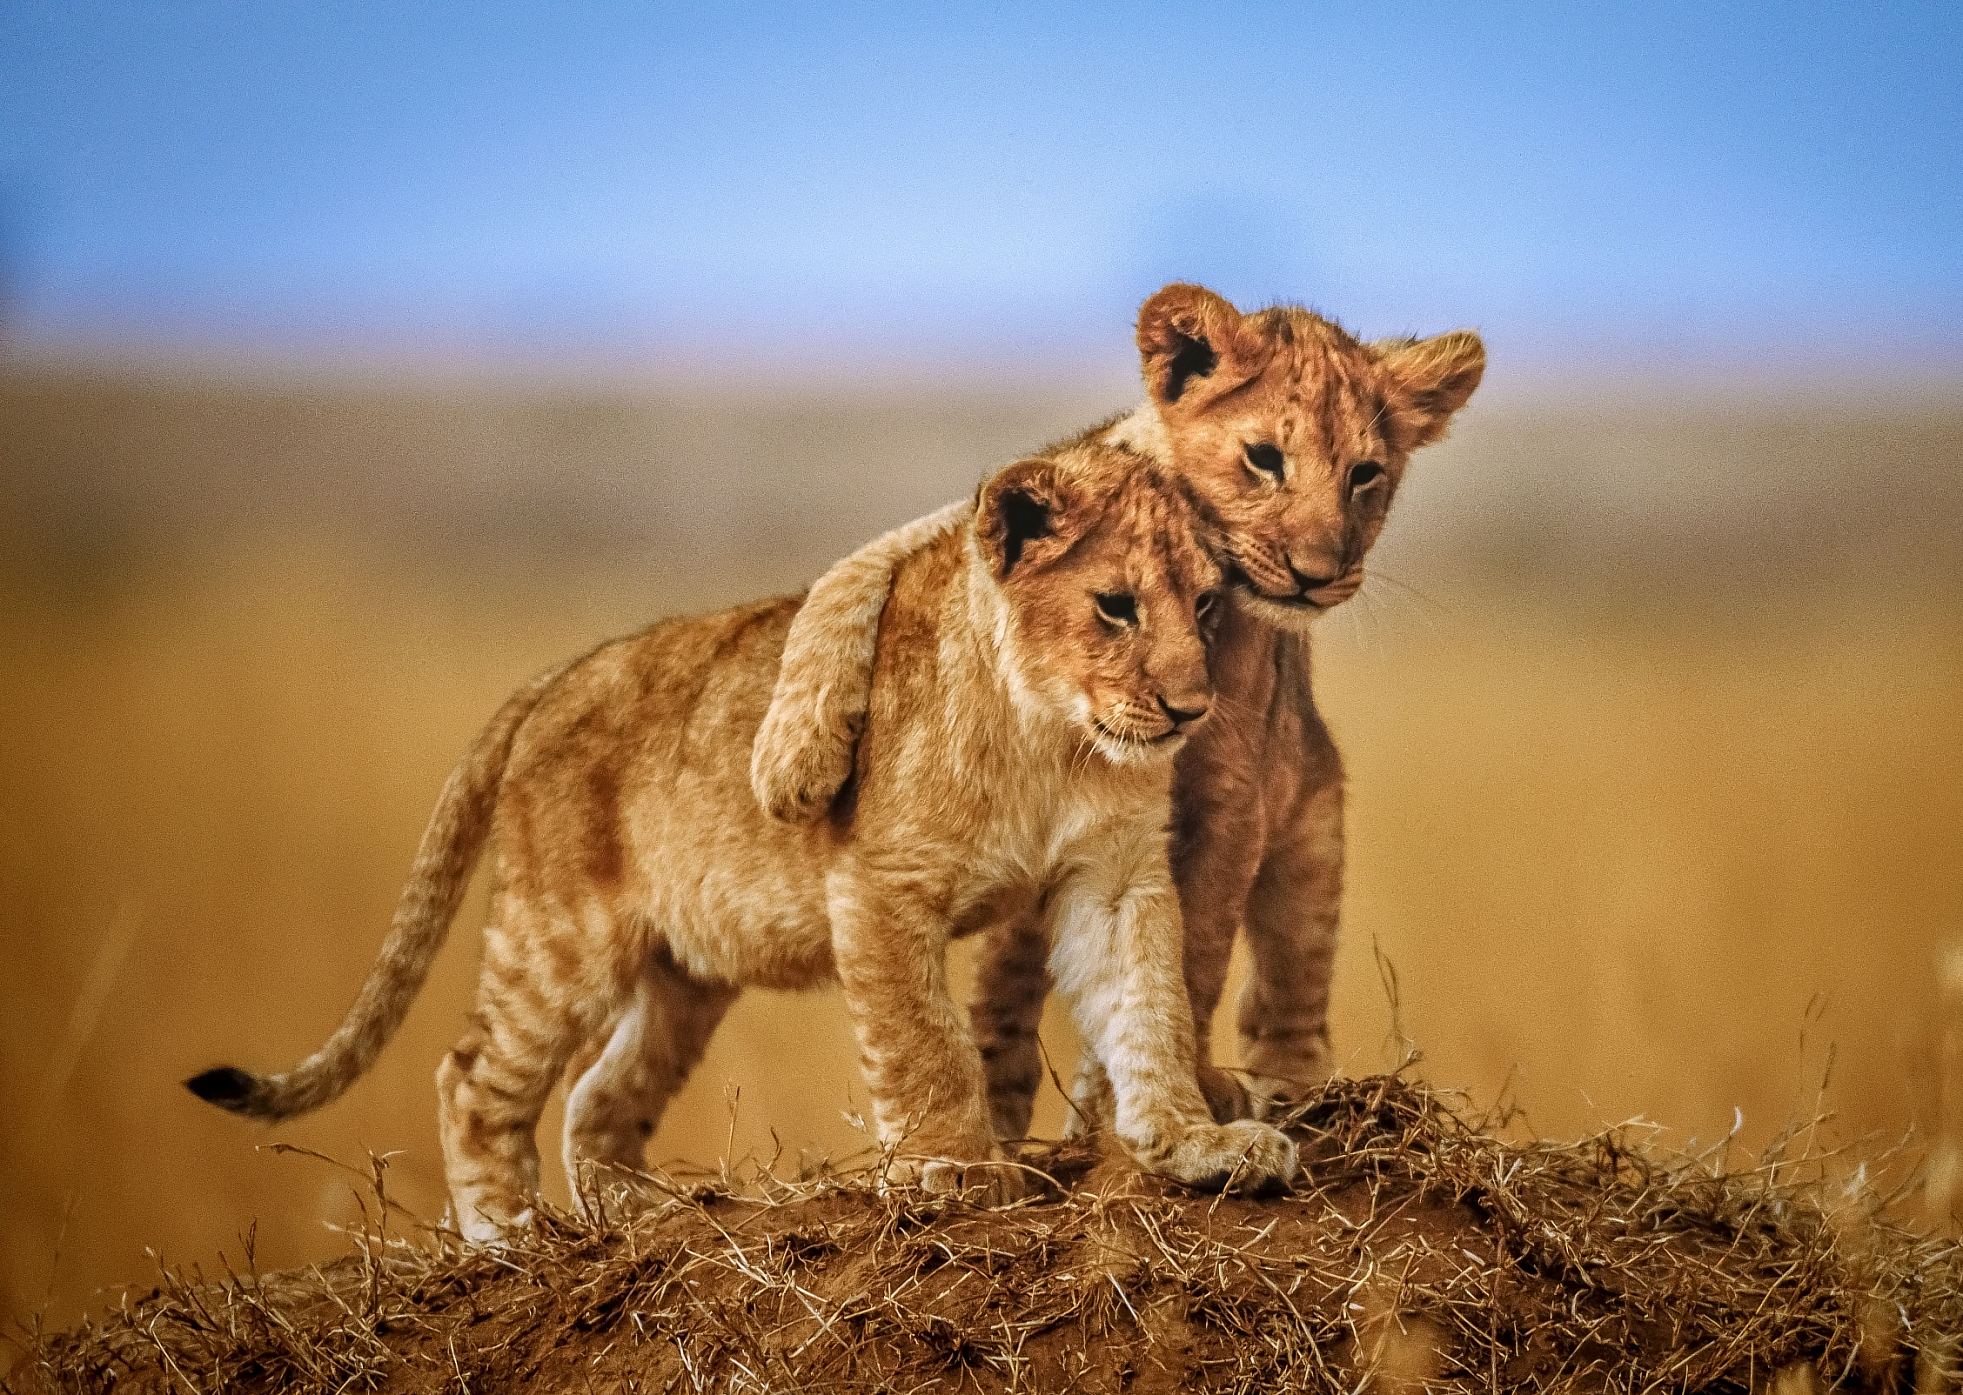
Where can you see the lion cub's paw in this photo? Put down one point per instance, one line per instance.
(989, 1181)
(995, 1183)
(1242, 1157)
(796, 776)
(487, 1232)
(1280, 1078)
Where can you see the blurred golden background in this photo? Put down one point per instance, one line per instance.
(1653, 706)
(1654, 804)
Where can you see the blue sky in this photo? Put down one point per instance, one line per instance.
(1577, 177)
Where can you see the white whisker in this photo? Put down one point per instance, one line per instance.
(1412, 591)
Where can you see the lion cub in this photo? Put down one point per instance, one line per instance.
(1036, 670)
(1293, 437)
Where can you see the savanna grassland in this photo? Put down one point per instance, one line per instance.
(1654, 721)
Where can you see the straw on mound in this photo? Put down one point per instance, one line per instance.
(1425, 1254)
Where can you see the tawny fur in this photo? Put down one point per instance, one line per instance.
(1016, 754)
(1294, 437)
(795, 777)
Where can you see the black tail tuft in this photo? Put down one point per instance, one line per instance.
(228, 1087)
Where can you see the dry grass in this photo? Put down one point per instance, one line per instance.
(1429, 1253)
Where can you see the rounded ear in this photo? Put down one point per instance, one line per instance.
(1434, 378)
(1023, 516)
(1193, 343)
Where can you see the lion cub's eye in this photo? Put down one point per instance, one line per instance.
(1203, 607)
(1263, 458)
(1117, 607)
(1364, 475)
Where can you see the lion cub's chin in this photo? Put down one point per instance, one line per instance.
(1121, 749)
(1283, 615)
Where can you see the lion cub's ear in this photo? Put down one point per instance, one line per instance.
(1434, 377)
(1026, 516)
(1194, 345)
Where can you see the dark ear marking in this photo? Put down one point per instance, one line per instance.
(1024, 518)
(1186, 334)
(1193, 358)
(1019, 508)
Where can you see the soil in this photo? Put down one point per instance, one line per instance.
(1422, 1252)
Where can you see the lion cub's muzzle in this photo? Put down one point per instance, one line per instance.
(1282, 584)
(1184, 710)
(1135, 730)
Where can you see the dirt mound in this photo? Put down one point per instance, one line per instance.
(1427, 1253)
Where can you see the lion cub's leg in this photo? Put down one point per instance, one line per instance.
(1116, 953)
(1216, 869)
(920, 1063)
(492, 1086)
(1209, 936)
(1215, 912)
(1222, 836)
(1092, 1103)
(1012, 978)
(1215, 865)
(616, 1103)
(1292, 921)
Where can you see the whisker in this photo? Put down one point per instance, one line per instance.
(1376, 615)
(1226, 704)
(1410, 590)
(1081, 760)
(1383, 599)
(1373, 622)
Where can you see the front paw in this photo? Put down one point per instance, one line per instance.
(988, 1180)
(482, 1230)
(1092, 1105)
(1244, 1157)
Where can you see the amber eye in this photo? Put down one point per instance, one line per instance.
(1203, 607)
(1364, 475)
(1117, 607)
(1263, 458)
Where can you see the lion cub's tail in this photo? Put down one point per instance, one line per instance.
(451, 843)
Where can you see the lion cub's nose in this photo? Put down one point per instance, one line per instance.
(1188, 708)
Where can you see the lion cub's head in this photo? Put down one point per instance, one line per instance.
(1107, 589)
(1294, 435)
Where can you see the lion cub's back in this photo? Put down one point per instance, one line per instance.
(629, 786)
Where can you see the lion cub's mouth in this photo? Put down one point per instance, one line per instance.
(1326, 596)
(1132, 740)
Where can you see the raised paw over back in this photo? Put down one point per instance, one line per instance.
(796, 775)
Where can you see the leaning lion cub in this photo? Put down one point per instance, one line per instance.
(1035, 672)
(1293, 436)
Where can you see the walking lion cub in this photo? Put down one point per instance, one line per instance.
(1035, 671)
